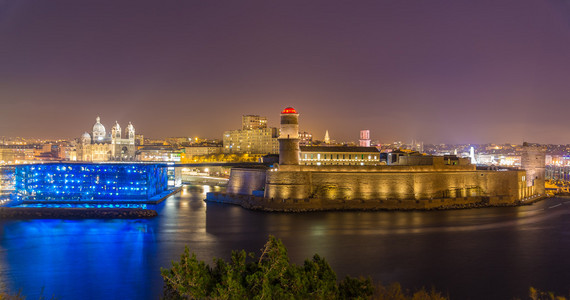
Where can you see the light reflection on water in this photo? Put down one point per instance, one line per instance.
(491, 253)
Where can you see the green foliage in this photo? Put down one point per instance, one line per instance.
(270, 276)
(395, 292)
(355, 288)
(535, 294)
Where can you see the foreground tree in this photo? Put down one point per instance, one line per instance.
(269, 276)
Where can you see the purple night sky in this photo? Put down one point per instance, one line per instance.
(439, 71)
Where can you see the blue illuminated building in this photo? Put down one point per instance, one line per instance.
(96, 182)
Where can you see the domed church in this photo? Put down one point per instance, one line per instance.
(100, 146)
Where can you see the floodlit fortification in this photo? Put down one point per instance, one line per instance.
(421, 182)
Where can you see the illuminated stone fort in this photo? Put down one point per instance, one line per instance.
(413, 182)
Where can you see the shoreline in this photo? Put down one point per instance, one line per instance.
(22, 213)
(314, 205)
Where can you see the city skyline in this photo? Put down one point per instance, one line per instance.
(443, 72)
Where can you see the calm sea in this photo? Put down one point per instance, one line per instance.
(490, 253)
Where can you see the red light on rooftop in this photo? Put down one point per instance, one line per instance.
(289, 110)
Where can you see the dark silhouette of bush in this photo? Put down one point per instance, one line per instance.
(535, 294)
(269, 276)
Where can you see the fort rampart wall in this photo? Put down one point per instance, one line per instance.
(243, 181)
(300, 188)
(394, 185)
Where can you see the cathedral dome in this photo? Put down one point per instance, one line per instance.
(98, 130)
(86, 138)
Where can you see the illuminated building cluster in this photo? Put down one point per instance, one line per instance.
(90, 181)
(254, 137)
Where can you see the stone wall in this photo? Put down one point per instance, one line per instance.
(244, 181)
(382, 185)
(533, 159)
(304, 205)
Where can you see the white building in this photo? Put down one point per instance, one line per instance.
(100, 146)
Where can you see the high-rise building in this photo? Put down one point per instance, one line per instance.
(254, 137)
(249, 122)
(364, 138)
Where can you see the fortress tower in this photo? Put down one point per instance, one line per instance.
(289, 153)
(533, 161)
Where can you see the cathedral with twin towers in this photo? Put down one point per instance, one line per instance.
(103, 146)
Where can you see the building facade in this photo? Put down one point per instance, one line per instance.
(254, 137)
(339, 155)
(364, 138)
(90, 181)
(103, 146)
(199, 150)
(249, 122)
(155, 153)
(15, 154)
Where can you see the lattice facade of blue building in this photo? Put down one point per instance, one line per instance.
(90, 181)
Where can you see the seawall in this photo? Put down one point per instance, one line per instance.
(403, 183)
(244, 181)
(306, 205)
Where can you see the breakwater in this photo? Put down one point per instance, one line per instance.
(75, 213)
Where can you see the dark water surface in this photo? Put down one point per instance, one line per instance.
(490, 253)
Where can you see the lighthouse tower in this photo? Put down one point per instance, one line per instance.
(289, 153)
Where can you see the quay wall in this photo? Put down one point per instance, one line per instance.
(382, 185)
(306, 205)
(244, 181)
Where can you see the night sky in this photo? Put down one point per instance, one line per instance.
(438, 71)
